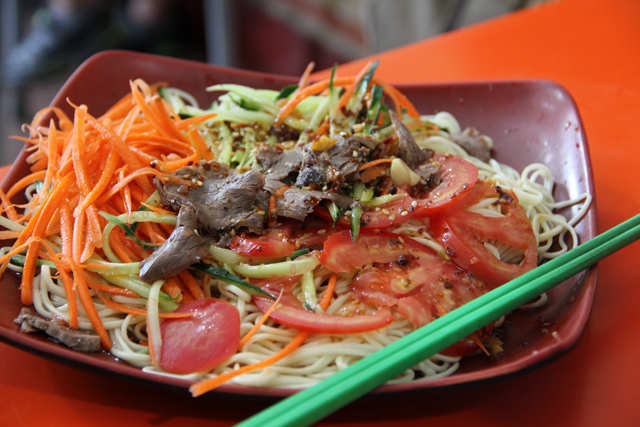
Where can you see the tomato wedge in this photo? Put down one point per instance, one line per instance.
(200, 342)
(458, 177)
(291, 312)
(397, 271)
(461, 232)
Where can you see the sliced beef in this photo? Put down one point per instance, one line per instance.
(317, 171)
(279, 164)
(184, 247)
(431, 173)
(408, 150)
(72, 338)
(348, 153)
(297, 203)
(473, 143)
(222, 199)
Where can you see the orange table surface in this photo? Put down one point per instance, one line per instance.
(591, 47)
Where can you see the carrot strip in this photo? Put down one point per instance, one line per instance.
(192, 284)
(77, 238)
(126, 180)
(202, 149)
(304, 79)
(259, 323)
(25, 182)
(101, 185)
(7, 207)
(138, 311)
(311, 90)
(90, 309)
(7, 234)
(111, 289)
(128, 157)
(69, 291)
(399, 99)
(41, 223)
(373, 163)
(348, 94)
(195, 120)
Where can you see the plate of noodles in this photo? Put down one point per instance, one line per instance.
(219, 229)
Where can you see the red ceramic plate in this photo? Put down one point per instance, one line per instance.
(530, 121)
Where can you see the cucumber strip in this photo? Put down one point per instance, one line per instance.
(141, 288)
(20, 260)
(278, 269)
(382, 200)
(309, 289)
(374, 109)
(356, 214)
(225, 276)
(298, 253)
(129, 232)
(286, 91)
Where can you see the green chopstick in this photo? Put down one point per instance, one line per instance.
(314, 403)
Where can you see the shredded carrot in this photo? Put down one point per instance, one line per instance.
(182, 124)
(304, 79)
(271, 215)
(204, 152)
(25, 182)
(208, 385)
(8, 207)
(138, 311)
(373, 163)
(400, 101)
(351, 90)
(311, 90)
(69, 291)
(89, 308)
(259, 323)
(195, 289)
(40, 224)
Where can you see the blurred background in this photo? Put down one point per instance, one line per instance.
(43, 41)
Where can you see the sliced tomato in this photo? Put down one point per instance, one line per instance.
(200, 342)
(461, 232)
(274, 243)
(397, 271)
(292, 313)
(458, 178)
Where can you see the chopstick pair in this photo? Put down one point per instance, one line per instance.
(314, 403)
